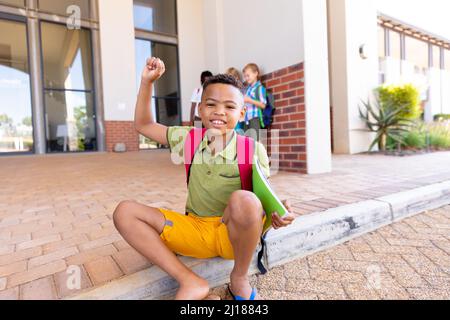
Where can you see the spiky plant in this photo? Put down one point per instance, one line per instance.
(386, 122)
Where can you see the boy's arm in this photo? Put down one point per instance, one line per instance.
(260, 101)
(143, 119)
(257, 103)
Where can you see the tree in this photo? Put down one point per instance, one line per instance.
(4, 119)
(27, 121)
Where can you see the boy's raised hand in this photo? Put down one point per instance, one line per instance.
(279, 222)
(153, 70)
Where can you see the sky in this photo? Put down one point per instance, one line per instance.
(427, 15)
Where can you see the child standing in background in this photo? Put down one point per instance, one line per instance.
(197, 97)
(255, 99)
(237, 74)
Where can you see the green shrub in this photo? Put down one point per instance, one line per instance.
(439, 136)
(406, 97)
(415, 139)
(441, 117)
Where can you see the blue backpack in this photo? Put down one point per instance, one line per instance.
(266, 115)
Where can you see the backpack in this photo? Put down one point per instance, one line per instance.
(266, 115)
(245, 154)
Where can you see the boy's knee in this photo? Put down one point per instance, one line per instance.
(122, 213)
(245, 208)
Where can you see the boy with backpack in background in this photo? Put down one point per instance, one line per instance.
(223, 217)
(259, 103)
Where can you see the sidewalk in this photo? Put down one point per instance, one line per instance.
(55, 211)
(406, 260)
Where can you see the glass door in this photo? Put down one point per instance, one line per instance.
(16, 125)
(68, 89)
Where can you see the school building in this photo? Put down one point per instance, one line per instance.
(70, 69)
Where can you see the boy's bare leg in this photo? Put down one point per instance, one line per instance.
(141, 227)
(243, 217)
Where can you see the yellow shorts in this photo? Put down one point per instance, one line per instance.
(197, 237)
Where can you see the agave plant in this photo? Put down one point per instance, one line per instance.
(386, 122)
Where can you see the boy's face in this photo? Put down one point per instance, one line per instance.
(250, 76)
(221, 108)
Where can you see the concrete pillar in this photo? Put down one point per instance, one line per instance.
(317, 102)
(352, 23)
(40, 139)
(118, 65)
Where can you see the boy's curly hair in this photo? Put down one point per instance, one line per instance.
(223, 79)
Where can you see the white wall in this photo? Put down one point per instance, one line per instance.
(266, 32)
(118, 59)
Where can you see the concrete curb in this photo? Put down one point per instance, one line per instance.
(308, 234)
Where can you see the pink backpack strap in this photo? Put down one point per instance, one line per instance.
(193, 140)
(245, 153)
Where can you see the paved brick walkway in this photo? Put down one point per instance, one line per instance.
(55, 211)
(406, 260)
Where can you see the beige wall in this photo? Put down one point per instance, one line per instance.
(267, 32)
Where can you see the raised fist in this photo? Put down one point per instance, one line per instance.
(153, 70)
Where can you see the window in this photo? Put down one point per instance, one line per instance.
(156, 16)
(62, 7)
(155, 28)
(382, 54)
(446, 83)
(68, 88)
(395, 45)
(417, 53)
(447, 60)
(166, 95)
(417, 65)
(16, 128)
(381, 42)
(436, 57)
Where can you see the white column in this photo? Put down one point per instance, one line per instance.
(352, 23)
(191, 48)
(318, 133)
(118, 59)
(213, 13)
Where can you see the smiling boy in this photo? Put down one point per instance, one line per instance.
(221, 219)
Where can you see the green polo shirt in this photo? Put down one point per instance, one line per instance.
(213, 178)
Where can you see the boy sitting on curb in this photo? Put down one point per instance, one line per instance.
(222, 220)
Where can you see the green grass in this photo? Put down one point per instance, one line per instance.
(435, 135)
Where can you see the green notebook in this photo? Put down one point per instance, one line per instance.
(262, 189)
